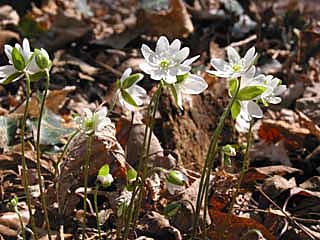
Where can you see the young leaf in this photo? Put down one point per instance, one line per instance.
(171, 209)
(17, 59)
(104, 170)
(233, 85)
(129, 81)
(235, 109)
(126, 96)
(250, 92)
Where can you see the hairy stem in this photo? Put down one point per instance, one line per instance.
(97, 210)
(139, 183)
(86, 173)
(206, 171)
(23, 159)
(244, 168)
(41, 186)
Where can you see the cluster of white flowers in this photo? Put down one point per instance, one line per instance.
(254, 88)
(167, 63)
(22, 60)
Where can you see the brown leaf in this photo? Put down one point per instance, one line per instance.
(56, 98)
(255, 174)
(10, 224)
(236, 228)
(160, 23)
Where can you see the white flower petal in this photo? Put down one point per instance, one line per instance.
(193, 85)
(173, 188)
(162, 45)
(254, 110)
(146, 68)
(280, 89)
(182, 55)
(274, 100)
(6, 71)
(8, 50)
(158, 74)
(170, 79)
(174, 47)
(190, 60)
(220, 74)
(26, 49)
(183, 69)
(249, 57)
(137, 93)
(233, 56)
(146, 51)
(125, 75)
(221, 65)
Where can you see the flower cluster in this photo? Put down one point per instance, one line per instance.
(249, 87)
(22, 60)
(169, 64)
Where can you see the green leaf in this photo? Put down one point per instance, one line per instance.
(12, 77)
(126, 96)
(118, 84)
(17, 59)
(250, 92)
(176, 177)
(104, 170)
(235, 109)
(131, 175)
(181, 78)
(233, 85)
(171, 209)
(129, 81)
(37, 76)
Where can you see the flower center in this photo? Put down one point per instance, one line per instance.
(89, 123)
(164, 64)
(236, 67)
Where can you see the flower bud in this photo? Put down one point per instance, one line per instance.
(42, 59)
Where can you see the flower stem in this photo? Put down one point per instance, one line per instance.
(86, 173)
(97, 210)
(209, 161)
(41, 186)
(132, 213)
(23, 159)
(245, 166)
(23, 229)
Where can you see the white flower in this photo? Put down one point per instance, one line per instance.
(236, 65)
(188, 84)
(130, 94)
(14, 71)
(105, 180)
(94, 122)
(167, 61)
(274, 89)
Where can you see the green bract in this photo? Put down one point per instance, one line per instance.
(131, 175)
(176, 177)
(250, 92)
(129, 81)
(171, 209)
(42, 59)
(17, 59)
(235, 109)
(104, 170)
